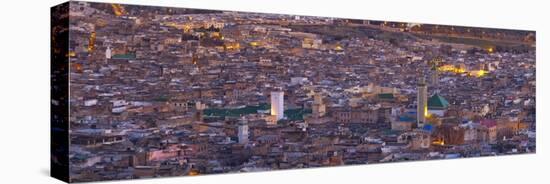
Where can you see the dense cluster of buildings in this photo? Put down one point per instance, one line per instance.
(167, 92)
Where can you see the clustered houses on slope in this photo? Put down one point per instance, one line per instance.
(169, 91)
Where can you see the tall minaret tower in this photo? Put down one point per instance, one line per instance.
(108, 53)
(277, 104)
(243, 130)
(319, 108)
(199, 107)
(422, 102)
(434, 74)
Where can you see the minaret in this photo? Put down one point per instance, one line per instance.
(434, 75)
(319, 108)
(199, 107)
(435, 79)
(422, 102)
(243, 131)
(108, 53)
(277, 104)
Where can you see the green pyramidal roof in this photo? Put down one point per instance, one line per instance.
(437, 102)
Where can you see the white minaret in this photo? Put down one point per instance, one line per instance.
(243, 131)
(422, 102)
(108, 53)
(277, 106)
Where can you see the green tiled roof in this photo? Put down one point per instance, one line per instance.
(251, 109)
(387, 96)
(124, 56)
(437, 102)
(291, 114)
(296, 114)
